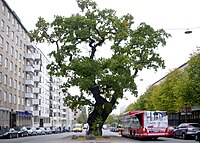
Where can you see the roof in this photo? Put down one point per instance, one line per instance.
(133, 112)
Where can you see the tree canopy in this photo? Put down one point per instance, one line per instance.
(102, 80)
(179, 88)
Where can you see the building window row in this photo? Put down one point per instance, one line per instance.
(10, 98)
(13, 20)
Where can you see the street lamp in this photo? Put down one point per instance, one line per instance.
(188, 31)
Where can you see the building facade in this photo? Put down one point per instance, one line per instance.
(60, 114)
(13, 46)
(28, 95)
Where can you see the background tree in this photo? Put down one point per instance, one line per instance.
(102, 80)
(112, 118)
(193, 73)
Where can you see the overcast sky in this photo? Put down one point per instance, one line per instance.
(175, 16)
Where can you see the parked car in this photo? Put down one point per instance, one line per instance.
(54, 130)
(48, 130)
(170, 131)
(22, 131)
(186, 130)
(77, 128)
(8, 133)
(43, 132)
(31, 131)
(39, 131)
(197, 136)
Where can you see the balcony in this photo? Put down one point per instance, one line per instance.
(29, 69)
(64, 112)
(36, 101)
(36, 113)
(30, 45)
(37, 68)
(37, 56)
(29, 82)
(29, 108)
(37, 79)
(29, 95)
(37, 90)
(55, 110)
(30, 56)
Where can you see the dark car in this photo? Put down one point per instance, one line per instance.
(54, 130)
(22, 132)
(186, 130)
(197, 136)
(8, 133)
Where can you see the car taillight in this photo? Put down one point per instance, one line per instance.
(144, 129)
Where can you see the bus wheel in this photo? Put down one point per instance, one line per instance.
(155, 138)
(131, 134)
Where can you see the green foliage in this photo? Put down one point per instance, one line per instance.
(89, 31)
(112, 119)
(177, 89)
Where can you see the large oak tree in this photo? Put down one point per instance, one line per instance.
(102, 80)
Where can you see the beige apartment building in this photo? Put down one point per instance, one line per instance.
(26, 97)
(13, 48)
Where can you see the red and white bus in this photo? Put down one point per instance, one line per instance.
(144, 124)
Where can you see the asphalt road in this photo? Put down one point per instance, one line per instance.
(67, 138)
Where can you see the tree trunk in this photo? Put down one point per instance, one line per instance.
(96, 120)
(100, 112)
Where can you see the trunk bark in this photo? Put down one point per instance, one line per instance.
(100, 112)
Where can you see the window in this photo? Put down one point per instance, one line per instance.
(10, 82)
(7, 30)
(16, 54)
(12, 35)
(8, 15)
(16, 40)
(2, 24)
(5, 96)
(5, 79)
(20, 57)
(11, 66)
(23, 87)
(0, 95)
(12, 50)
(19, 72)
(3, 9)
(1, 59)
(17, 26)
(19, 85)
(13, 21)
(15, 84)
(15, 69)
(0, 77)
(15, 99)
(1, 41)
(6, 63)
(20, 43)
(7, 47)
(18, 100)
(10, 98)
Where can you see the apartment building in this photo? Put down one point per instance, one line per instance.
(28, 95)
(60, 114)
(13, 45)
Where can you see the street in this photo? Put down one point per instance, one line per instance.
(113, 137)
